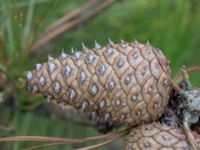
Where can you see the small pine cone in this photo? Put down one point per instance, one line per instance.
(122, 83)
(156, 136)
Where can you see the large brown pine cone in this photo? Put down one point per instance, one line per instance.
(122, 83)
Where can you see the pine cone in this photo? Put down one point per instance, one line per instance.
(122, 83)
(158, 136)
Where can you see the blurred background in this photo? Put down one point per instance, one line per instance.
(32, 29)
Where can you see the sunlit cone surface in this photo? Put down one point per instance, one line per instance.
(123, 83)
(157, 136)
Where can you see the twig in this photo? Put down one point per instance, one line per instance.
(190, 69)
(73, 19)
(93, 147)
(68, 114)
(77, 116)
(108, 137)
(188, 133)
(68, 16)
